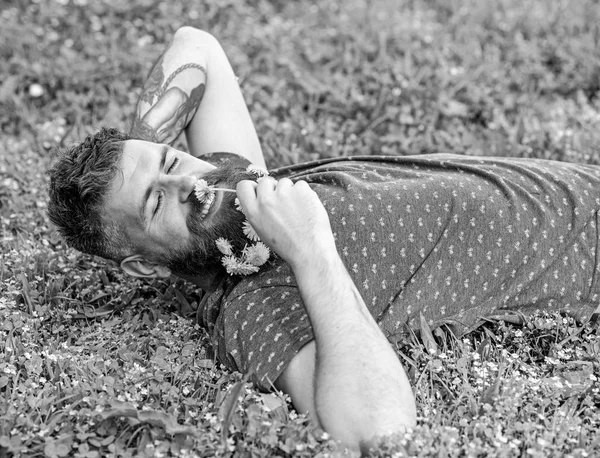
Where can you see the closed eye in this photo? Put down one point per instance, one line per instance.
(173, 165)
(159, 201)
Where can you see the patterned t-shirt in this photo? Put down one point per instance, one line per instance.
(457, 239)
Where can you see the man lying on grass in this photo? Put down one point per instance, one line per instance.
(363, 248)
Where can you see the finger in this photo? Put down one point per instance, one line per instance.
(247, 187)
(302, 184)
(246, 192)
(285, 183)
(267, 184)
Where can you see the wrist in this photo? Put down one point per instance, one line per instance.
(316, 258)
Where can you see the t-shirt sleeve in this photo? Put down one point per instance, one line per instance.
(260, 331)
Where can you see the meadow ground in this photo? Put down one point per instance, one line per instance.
(96, 364)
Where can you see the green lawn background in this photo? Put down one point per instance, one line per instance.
(96, 364)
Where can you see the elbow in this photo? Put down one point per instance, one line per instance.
(193, 35)
(369, 431)
(371, 442)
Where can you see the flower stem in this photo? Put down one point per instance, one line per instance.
(222, 189)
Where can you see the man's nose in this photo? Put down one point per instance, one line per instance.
(181, 185)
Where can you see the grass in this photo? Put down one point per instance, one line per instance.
(96, 364)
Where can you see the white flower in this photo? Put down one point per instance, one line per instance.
(256, 254)
(203, 191)
(243, 268)
(250, 232)
(257, 170)
(224, 246)
(234, 266)
(229, 262)
(238, 205)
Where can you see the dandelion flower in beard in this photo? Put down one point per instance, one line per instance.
(250, 232)
(256, 254)
(238, 205)
(235, 266)
(224, 246)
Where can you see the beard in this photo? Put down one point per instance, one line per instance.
(202, 256)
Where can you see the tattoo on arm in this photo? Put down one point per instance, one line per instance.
(177, 120)
(153, 84)
(143, 131)
(171, 107)
(181, 69)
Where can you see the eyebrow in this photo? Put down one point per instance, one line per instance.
(143, 216)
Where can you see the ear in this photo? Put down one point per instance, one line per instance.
(138, 266)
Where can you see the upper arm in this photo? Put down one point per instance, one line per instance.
(297, 380)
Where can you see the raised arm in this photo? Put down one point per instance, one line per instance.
(360, 389)
(193, 88)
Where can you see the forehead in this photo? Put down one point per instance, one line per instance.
(138, 157)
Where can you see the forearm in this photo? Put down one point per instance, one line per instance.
(192, 88)
(222, 121)
(361, 389)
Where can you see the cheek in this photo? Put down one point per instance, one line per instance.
(172, 233)
(176, 229)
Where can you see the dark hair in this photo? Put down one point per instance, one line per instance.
(79, 181)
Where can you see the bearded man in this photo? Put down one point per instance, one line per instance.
(364, 247)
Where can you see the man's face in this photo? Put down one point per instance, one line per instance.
(153, 198)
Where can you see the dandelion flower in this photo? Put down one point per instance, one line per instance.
(203, 191)
(250, 232)
(238, 205)
(224, 246)
(234, 266)
(228, 262)
(256, 254)
(257, 170)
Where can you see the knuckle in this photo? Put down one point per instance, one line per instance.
(266, 179)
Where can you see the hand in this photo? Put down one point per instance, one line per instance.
(287, 216)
